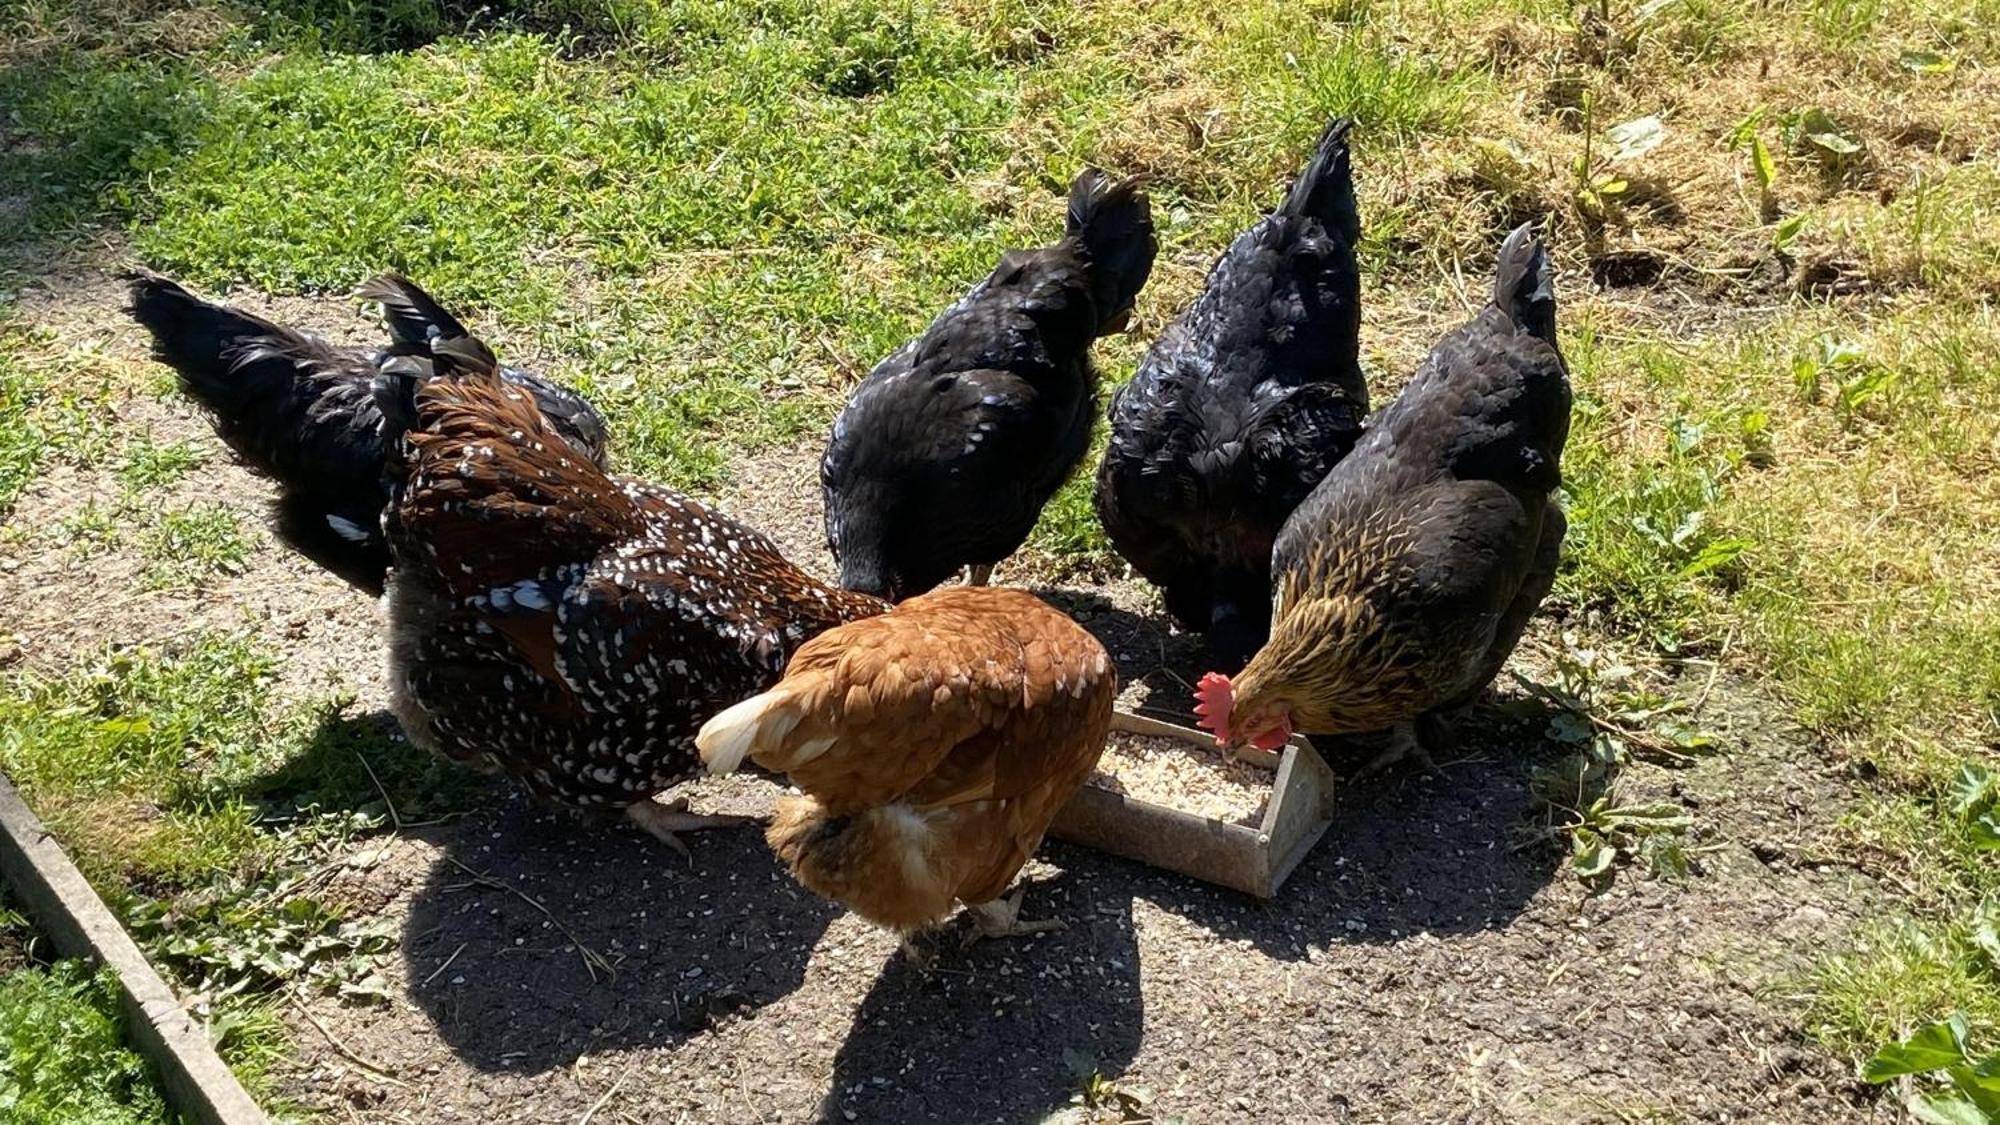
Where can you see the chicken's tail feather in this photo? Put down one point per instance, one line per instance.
(415, 317)
(464, 356)
(395, 395)
(1325, 190)
(1524, 287)
(203, 342)
(262, 383)
(396, 388)
(758, 725)
(1113, 223)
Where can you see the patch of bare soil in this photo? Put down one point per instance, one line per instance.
(62, 605)
(1421, 965)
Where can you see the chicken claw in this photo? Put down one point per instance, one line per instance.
(665, 820)
(1002, 918)
(1403, 743)
(978, 574)
(919, 958)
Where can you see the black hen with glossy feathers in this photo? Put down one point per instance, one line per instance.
(1240, 408)
(946, 453)
(301, 411)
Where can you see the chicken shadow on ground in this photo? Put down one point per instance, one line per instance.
(360, 762)
(539, 937)
(1005, 1030)
(1408, 851)
(639, 949)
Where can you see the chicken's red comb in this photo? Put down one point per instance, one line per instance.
(1214, 699)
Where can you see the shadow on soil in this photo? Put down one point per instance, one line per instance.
(359, 762)
(986, 1031)
(636, 948)
(1408, 852)
(997, 1031)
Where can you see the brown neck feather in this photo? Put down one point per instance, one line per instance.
(1331, 657)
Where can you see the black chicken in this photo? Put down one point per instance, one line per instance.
(300, 411)
(1406, 578)
(1240, 408)
(567, 628)
(948, 450)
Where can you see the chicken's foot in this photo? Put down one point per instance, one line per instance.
(917, 955)
(1403, 743)
(1002, 918)
(978, 574)
(665, 820)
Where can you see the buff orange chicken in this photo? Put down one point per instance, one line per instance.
(933, 745)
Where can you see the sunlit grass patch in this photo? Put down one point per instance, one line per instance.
(190, 544)
(63, 1059)
(53, 405)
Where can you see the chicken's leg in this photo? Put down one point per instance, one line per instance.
(1002, 918)
(665, 820)
(978, 574)
(1403, 743)
(916, 954)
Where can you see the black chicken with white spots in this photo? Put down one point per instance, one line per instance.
(567, 628)
(1240, 408)
(945, 455)
(302, 412)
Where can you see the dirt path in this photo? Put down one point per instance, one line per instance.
(1420, 966)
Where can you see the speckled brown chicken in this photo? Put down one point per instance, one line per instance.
(1407, 576)
(934, 745)
(568, 628)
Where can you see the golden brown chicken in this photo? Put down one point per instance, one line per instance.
(1406, 578)
(934, 744)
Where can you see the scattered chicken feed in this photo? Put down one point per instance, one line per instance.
(1183, 776)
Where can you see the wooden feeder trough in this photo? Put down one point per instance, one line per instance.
(1255, 859)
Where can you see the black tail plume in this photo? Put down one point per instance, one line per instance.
(198, 339)
(1524, 285)
(395, 390)
(1113, 221)
(292, 408)
(394, 393)
(278, 398)
(1325, 190)
(414, 316)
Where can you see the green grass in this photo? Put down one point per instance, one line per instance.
(170, 769)
(196, 805)
(63, 1060)
(194, 543)
(145, 465)
(52, 407)
(1857, 565)
(711, 214)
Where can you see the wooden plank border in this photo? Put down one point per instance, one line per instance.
(67, 910)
